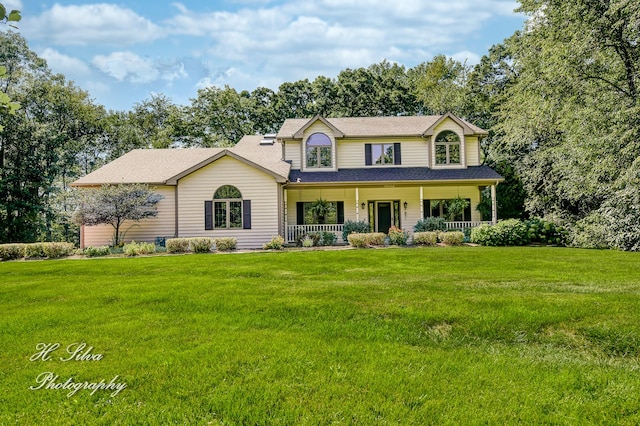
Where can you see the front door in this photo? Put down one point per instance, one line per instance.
(384, 217)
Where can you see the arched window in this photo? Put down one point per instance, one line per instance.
(448, 148)
(319, 153)
(227, 207)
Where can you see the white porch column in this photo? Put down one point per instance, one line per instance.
(494, 205)
(357, 205)
(421, 202)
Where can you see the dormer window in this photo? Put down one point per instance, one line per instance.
(448, 148)
(319, 151)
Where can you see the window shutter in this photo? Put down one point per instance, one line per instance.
(299, 213)
(397, 157)
(340, 209)
(367, 154)
(208, 215)
(467, 212)
(246, 214)
(426, 208)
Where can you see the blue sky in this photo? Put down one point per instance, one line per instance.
(122, 52)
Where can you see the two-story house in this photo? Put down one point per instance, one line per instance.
(387, 171)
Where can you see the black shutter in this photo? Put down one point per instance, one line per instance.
(426, 208)
(208, 215)
(397, 157)
(467, 212)
(367, 154)
(246, 214)
(299, 213)
(340, 209)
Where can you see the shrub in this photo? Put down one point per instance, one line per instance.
(177, 245)
(34, 250)
(307, 241)
(134, 249)
(546, 232)
(351, 226)
(327, 238)
(376, 238)
(201, 244)
(482, 235)
(225, 243)
(56, 250)
(454, 238)
(590, 232)
(276, 243)
(430, 224)
(425, 238)
(96, 251)
(358, 239)
(397, 236)
(11, 251)
(314, 237)
(510, 232)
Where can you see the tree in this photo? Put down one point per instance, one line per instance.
(115, 205)
(440, 86)
(6, 104)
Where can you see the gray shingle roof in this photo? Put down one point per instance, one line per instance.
(375, 126)
(395, 174)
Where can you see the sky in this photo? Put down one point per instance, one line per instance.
(124, 52)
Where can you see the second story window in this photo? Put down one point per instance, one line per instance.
(382, 153)
(448, 148)
(319, 151)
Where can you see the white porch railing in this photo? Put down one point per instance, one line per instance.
(294, 232)
(465, 224)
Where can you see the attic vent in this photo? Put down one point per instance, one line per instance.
(268, 139)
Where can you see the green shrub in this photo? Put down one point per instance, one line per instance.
(328, 238)
(56, 250)
(351, 226)
(225, 243)
(307, 241)
(546, 232)
(453, 238)
(177, 245)
(430, 224)
(134, 249)
(591, 232)
(96, 251)
(34, 250)
(11, 251)
(314, 237)
(510, 232)
(397, 236)
(201, 244)
(276, 243)
(358, 239)
(425, 238)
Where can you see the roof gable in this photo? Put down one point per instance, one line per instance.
(336, 132)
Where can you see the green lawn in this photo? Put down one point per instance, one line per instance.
(468, 335)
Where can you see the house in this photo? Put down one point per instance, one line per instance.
(388, 171)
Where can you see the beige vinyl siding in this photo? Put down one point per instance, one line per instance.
(292, 153)
(414, 152)
(449, 124)
(146, 230)
(473, 151)
(254, 185)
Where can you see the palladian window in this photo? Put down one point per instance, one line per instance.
(447, 148)
(319, 151)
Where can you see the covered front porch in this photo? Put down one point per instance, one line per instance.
(381, 206)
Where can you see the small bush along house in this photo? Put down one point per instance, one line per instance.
(313, 175)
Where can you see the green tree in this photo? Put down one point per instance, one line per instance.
(116, 205)
(441, 86)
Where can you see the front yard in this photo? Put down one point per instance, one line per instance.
(442, 335)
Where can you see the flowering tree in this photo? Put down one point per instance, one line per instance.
(114, 205)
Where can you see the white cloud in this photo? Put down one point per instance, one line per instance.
(465, 56)
(64, 64)
(91, 24)
(128, 66)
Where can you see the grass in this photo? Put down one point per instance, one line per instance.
(467, 335)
